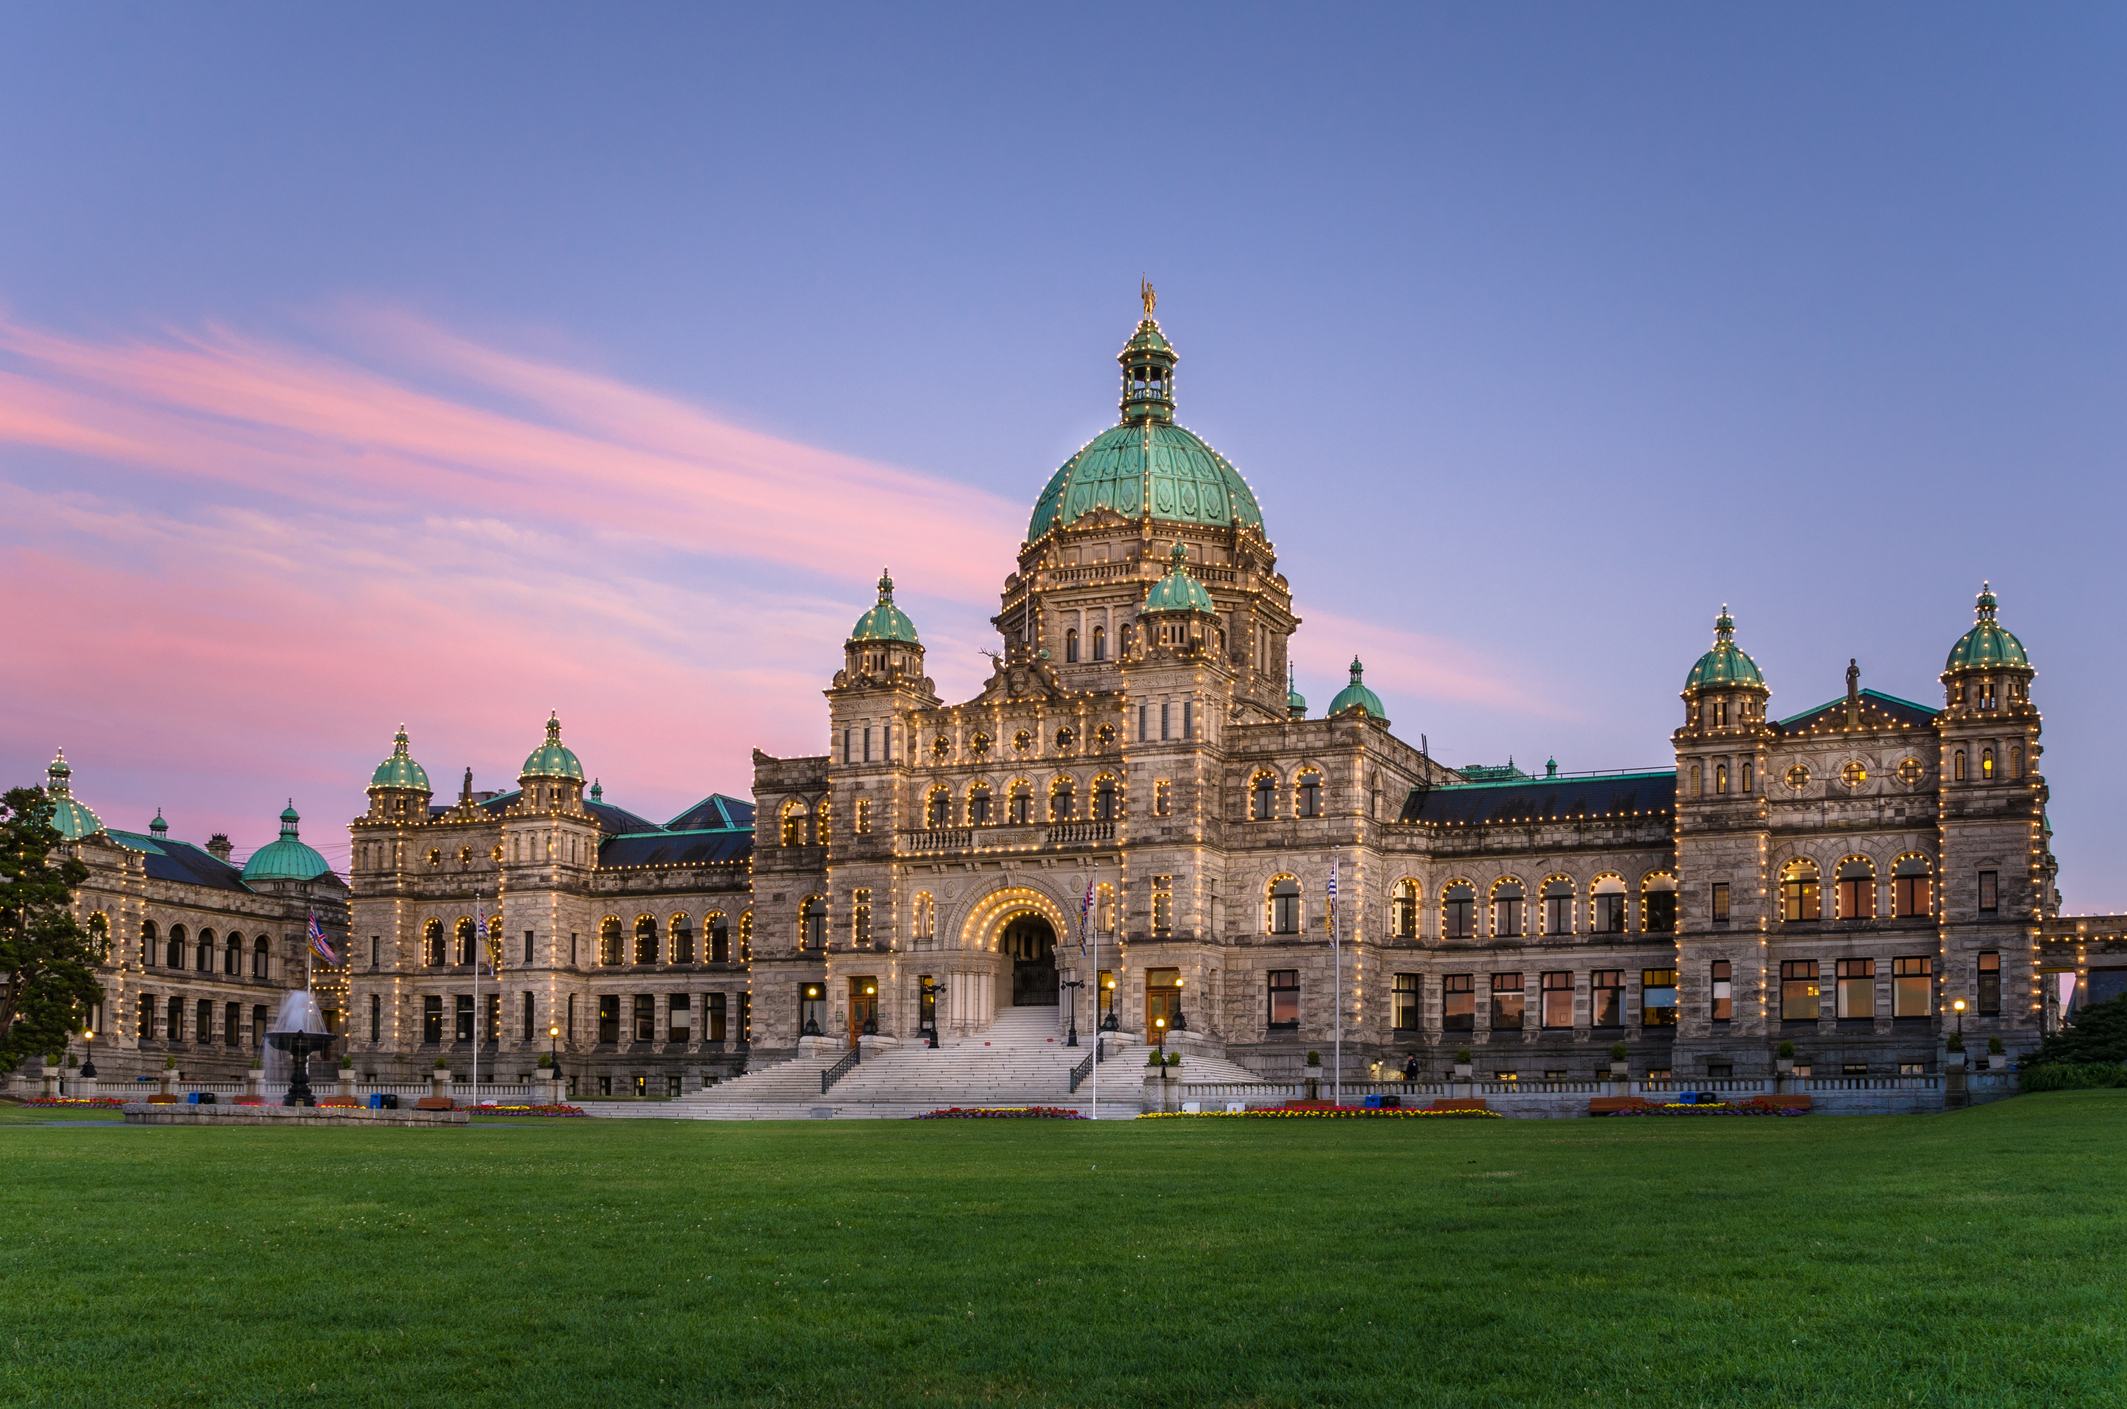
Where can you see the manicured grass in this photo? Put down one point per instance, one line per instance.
(1969, 1259)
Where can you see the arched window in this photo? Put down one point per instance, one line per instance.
(1720, 778)
(1100, 643)
(1071, 646)
(1285, 906)
(1658, 903)
(745, 936)
(1128, 639)
(1606, 910)
(233, 955)
(1307, 802)
(1800, 896)
(978, 805)
(1750, 776)
(1986, 765)
(462, 933)
(793, 823)
(2016, 760)
(1022, 802)
(1405, 914)
(609, 940)
(1104, 798)
(259, 960)
(1558, 906)
(149, 948)
(1062, 800)
(1694, 780)
(680, 933)
(1958, 768)
(719, 931)
(174, 955)
(1857, 889)
(1507, 899)
(1912, 888)
(1458, 910)
(203, 957)
(645, 939)
(812, 924)
(1263, 798)
(432, 944)
(816, 835)
(939, 807)
(926, 912)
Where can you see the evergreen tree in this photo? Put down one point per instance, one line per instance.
(47, 967)
(2097, 1034)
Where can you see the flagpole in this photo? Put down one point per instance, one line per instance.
(1336, 959)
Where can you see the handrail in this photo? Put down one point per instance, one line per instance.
(1083, 1070)
(830, 1075)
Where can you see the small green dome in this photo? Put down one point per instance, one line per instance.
(400, 770)
(1726, 663)
(1178, 591)
(1356, 696)
(286, 858)
(1987, 645)
(551, 759)
(72, 819)
(1295, 702)
(885, 621)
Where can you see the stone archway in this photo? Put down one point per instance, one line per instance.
(1029, 944)
(1001, 943)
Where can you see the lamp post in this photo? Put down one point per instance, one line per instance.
(927, 1003)
(1181, 1024)
(553, 1037)
(1073, 984)
(1108, 1023)
(1160, 1026)
(1959, 1008)
(88, 1060)
(871, 1011)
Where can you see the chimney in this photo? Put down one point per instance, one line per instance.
(219, 848)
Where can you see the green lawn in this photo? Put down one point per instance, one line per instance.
(1968, 1259)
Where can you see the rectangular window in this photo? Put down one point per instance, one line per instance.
(232, 1025)
(1720, 902)
(1166, 718)
(863, 815)
(1910, 895)
(1610, 914)
(432, 1018)
(177, 1021)
(1558, 1000)
(1508, 999)
(645, 1017)
(1658, 998)
(376, 1017)
(1142, 736)
(1458, 1003)
(147, 1017)
(1284, 998)
(1406, 1003)
(845, 745)
(1188, 719)
(1989, 994)
(1456, 917)
(1856, 996)
(1724, 991)
(527, 947)
(867, 743)
(609, 1017)
(258, 1022)
(1661, 911)
(679, 1018)
(1162, 903)
(1912, 983)
(527, 1026)
(1801, 898)
(860, 918)
(205, 1034)
(1558, 914)
(746, 1017)
(1989, 892)
(1857, 897)
(717, 1009)
(1798, 990)
(463, 1031)
(1606, 998)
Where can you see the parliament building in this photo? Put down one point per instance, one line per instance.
(1136, 822)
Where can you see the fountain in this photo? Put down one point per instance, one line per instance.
(296, 1034)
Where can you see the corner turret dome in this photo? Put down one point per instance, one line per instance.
(885, 621)
(1988, 645)
(1295, 702)
(72, 819)
(551, 759)
(1147, 467)
(1726, 664)
(1356, 696)
(400, 770)
(287, 857)
(1178, 591)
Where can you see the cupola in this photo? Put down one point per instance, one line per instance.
(1179, 614)
(883, 646)
(398, 789)
(72, 820)
(287, 857)
(159, 829)
(551, 778)
(1725, 689)
(1295, 702)
(1356, 698)
(1987, 668)
(1148, 369)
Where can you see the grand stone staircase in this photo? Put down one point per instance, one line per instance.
(1019, 1060)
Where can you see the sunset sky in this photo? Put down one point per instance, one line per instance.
(448, 365)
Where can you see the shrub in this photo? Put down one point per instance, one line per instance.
(1618, 1051)
(2073, 1076)
(545, 1060)
(51, 1059)
(1174, 1059)
(72, 1060)
(347, 1064)
(1955, 1042)
(1462, 1055)
(1786, 1049)
(1152, 1058)
(1994, 1047)
(2098, 1035)
(442, 1065)
(169, 1063)
(257, 1065)
(1314, 1059)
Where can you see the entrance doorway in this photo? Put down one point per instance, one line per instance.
(863, 1008)
(1163, 999)
(1030, 943)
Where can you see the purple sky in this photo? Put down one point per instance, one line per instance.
(452, 364)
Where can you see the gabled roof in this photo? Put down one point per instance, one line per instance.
(715, 812)
(182, 862)
(1545, 799)
(1878, 710)
(661, 848)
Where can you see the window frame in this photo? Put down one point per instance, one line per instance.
(1557, 1001)
(1721, 991)
(1281, 989)
(1510, 1002)
(1606, 997)
(1458, 1002)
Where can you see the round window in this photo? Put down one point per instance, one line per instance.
(1022, 741)
(1854, 774)
(1909, 771)
(941, 747)
(1798, 777)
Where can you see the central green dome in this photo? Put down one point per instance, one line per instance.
(286, 858)
(1147, 467)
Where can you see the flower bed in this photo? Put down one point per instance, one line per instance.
(101, 1102)
(557, 1112)
(1001, 1113)
(1743, 1108)
(1329, 1113)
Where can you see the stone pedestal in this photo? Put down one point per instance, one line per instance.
(255, 1084)
(879, 1045)
(50, 1081)
(439, 1085)
(346, 1085)
(168, 1082)
(823, 1049)
(543, 1087)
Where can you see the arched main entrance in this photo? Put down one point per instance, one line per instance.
(1030, 943)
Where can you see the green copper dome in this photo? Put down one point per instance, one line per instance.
(285, 858)
(1295, 702)
(1147, 467)
(885, 621)
(1178, 591)
(1357, 696)
(1725, 664)
(551, 759)
(1987, 644)
(400, 770)
(72, 819)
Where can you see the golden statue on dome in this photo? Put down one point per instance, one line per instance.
(1146, 296)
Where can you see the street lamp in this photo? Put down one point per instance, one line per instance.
(553, 1036)
(927, 1005)
(1181, 1024)
(1160, 1024)
(1959, 1007)
(1074, 984)
(871, 1011)
(88, 1060)
(1108, 1023)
